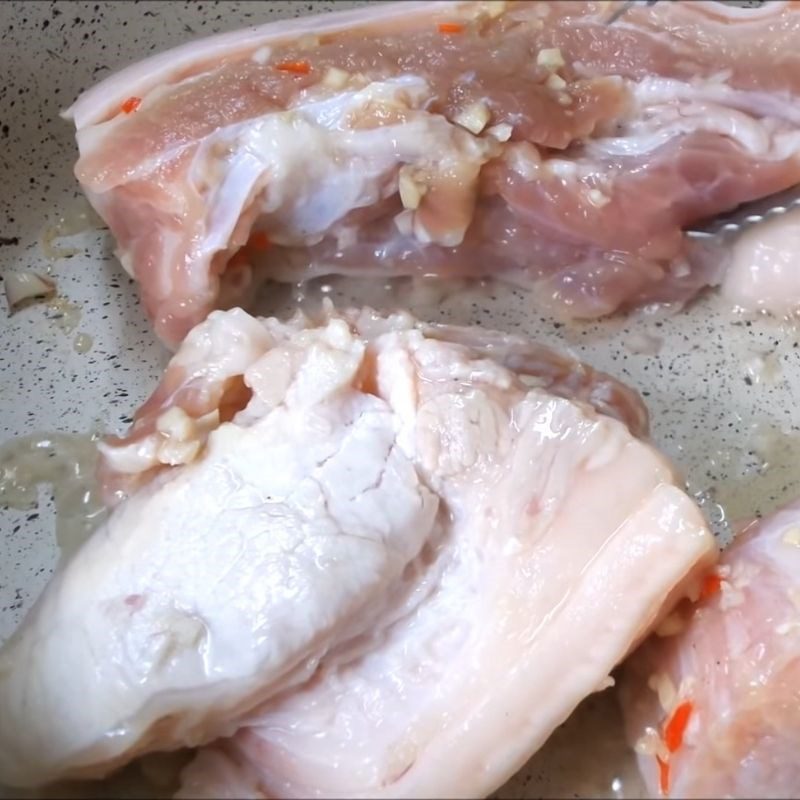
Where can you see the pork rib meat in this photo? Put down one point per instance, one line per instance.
(522, 140)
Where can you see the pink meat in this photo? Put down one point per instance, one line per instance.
(735, 658)
(524, 140)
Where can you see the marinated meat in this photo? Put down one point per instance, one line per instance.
(523, 140)
(370, 519)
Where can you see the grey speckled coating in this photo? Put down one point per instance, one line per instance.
(733, 435)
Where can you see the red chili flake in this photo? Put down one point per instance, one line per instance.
(259, 241)
(712, 584)
(295, 67)
(450, 27)
(131, 104)
(676, 726)
(663, 777)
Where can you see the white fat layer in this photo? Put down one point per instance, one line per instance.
(267, 161)
(668, 108)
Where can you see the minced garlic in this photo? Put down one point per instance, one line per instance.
(502, 132)
(411, 192)
(550, 58)
(404, 222)
(474, 117)
(335, 78)
(663, 686)
(597, 198)
(175, 453)
(555, 82)
(262, 55)
(176, 424)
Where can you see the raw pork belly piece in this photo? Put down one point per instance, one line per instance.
(523, 140)
(344, 520)
(763, 273)
(716, 698)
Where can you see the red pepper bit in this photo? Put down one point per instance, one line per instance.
(676, 726)
(663, 776)
(130, 105)
(712, 584)
(259, 241)
(295, 67)
(450, 27)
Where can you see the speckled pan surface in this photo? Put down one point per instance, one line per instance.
(722, 390)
